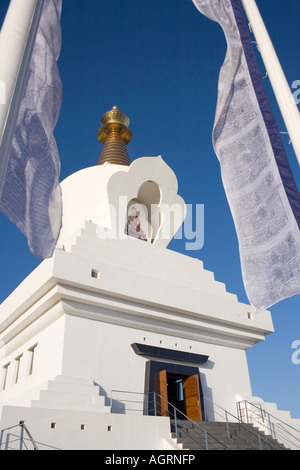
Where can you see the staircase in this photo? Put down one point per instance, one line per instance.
(279, 425)
(210, 435)
(70, 393)
(229, 432)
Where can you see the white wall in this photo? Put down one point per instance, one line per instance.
(126, 432)
(47, 363)
(103, 353)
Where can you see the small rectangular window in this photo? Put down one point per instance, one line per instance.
(4, 376)
(17, 369)
(95, 274)
(31, 352)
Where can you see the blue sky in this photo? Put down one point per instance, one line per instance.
(159, 62)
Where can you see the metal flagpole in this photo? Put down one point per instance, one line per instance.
(17, 40)
(281, 88)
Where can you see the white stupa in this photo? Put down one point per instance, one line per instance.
(115, 316)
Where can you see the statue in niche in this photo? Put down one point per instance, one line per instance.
(134, 224)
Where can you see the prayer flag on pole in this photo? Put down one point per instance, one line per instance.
(30, 193)
(259, 185)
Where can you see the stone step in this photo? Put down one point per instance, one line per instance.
(84, 388)
(191, 435)
(67, 397)
(69, 406)
(221, 442)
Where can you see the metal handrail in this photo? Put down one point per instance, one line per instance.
(269, 414)
(253, 434)
(23, 427)
(194, 423)
(261, 438)
(273, 427)
(177, 412)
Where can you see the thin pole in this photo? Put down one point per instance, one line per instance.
(281, 88)
(21, 437)
(17, 40)
(176, 427)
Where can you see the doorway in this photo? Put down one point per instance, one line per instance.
(176, 394)
(180, 392)
(178, 386)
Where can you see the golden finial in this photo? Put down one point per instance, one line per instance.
(114, 134)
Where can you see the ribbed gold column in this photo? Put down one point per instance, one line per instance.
(114, 134)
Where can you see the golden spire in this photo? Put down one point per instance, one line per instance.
(114, 134)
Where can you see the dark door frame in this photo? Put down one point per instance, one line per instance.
(153, 367)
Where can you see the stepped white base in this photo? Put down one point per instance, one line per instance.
(279, 423)
(68, 393)
(76, 430)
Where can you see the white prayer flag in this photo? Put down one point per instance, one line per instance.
(31, 195)
(259, 185)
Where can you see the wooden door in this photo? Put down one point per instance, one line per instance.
(192, 398)
(162, 389)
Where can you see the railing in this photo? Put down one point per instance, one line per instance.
(250, 436)
(150, 404)
(21, 440)
(275, 427)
